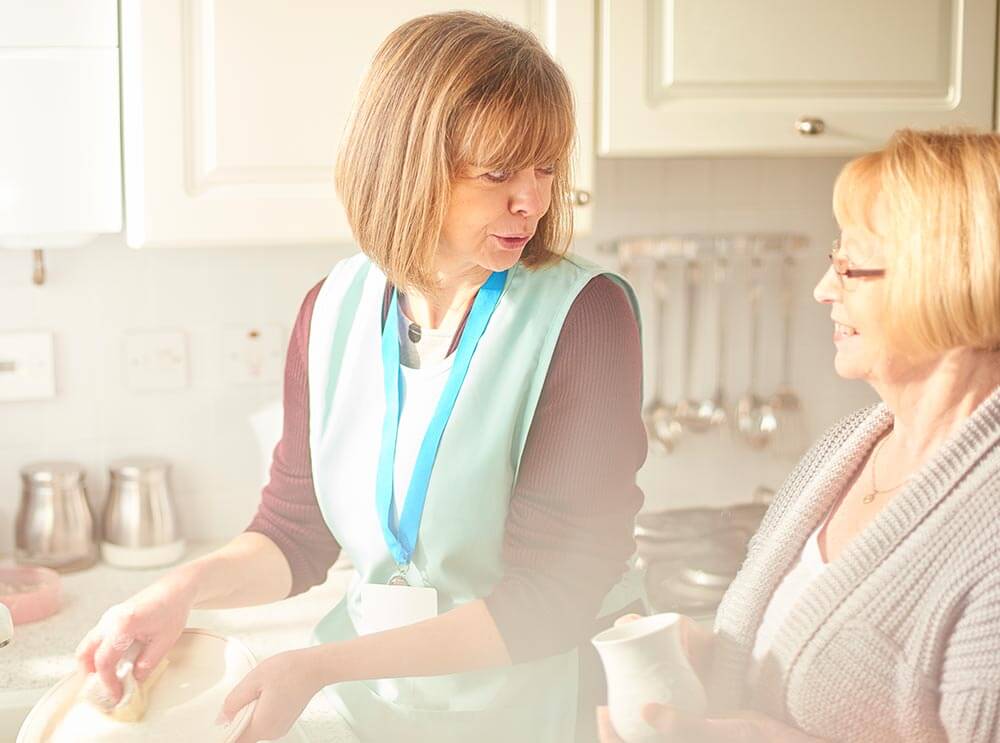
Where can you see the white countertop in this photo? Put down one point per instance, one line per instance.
(42, 652)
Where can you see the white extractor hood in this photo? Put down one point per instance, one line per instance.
(60, 157)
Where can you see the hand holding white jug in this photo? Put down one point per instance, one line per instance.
(646, 661)
(658, 698)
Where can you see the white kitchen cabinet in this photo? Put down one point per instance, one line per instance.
(60, 165)
(233, 109)
(687, 77)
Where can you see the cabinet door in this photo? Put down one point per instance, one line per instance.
(233, 109)
(681, 77)
(60, 153)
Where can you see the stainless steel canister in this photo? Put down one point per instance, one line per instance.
(139, 511)
(55, 525)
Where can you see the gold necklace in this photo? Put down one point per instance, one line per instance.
(875, 490)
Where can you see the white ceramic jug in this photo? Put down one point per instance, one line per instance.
(645, 662)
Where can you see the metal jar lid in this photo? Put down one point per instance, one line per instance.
(52, 474)
(139, 468)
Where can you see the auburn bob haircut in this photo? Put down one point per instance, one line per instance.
(446, 92)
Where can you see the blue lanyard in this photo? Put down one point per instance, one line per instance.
(403, 540)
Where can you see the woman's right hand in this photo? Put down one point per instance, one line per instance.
(154, 618)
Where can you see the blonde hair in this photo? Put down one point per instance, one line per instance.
(941, 193)
(445, 92)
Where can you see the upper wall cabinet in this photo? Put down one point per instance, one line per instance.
(686, 77)
(60, 148)
(233, 110)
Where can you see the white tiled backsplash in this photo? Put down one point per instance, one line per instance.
(96, 294)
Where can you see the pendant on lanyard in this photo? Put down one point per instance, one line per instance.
(402, 539)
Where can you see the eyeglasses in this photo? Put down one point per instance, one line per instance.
(847, 276)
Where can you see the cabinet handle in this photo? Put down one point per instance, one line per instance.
(579, 197)
(38, 267)
(809, 126)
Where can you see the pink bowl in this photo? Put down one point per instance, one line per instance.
(30, 593)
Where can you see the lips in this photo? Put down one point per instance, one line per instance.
(513, 242)
(841, 331)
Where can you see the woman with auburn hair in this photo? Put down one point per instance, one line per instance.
(462, 419)
(868, 607)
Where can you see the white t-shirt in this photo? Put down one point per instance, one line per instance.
(422, 388)
(806, 569)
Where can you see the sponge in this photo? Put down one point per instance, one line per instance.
(135, 696)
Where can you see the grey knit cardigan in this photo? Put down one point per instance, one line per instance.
(899, 638)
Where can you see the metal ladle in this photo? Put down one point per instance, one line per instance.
(688, 410)
(661, 427)
(712, 410)
(784, 402)
(755, 420)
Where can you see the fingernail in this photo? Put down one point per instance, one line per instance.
(222, 719)
(653, 713)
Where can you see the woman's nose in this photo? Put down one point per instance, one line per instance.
(828, 289)
(527, 198)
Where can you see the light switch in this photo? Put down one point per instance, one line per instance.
(27, 367)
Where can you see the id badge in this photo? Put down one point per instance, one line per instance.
(389, 607)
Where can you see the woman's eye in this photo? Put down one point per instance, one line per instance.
(499, 176)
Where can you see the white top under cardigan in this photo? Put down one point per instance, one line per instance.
(808, 566)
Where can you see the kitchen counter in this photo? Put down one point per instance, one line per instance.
(42, 652)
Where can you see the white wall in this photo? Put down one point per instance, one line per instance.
(95, 294)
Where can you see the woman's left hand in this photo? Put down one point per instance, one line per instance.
(680, 727)
(282, 685)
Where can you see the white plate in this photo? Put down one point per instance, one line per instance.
(203, 669)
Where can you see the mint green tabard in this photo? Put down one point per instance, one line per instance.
(459, 551)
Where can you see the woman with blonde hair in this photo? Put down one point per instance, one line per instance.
(462, 419)
(868, 607)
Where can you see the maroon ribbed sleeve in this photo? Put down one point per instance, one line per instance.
(570, 523)
(289, 513)
(569, 526)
